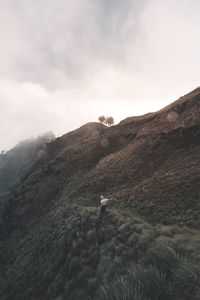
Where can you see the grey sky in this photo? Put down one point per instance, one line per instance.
(63, 63)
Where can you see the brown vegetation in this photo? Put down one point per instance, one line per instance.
(150, 165)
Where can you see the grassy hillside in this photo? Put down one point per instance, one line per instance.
(53, 245)
(16, 162)
(69, 255)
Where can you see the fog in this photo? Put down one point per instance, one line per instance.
(64, 63)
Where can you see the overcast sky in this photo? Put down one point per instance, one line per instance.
(63, 63)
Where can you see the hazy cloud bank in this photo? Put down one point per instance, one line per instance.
(63, 63)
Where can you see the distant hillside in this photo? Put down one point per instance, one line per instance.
(55, 247)
(14, 162)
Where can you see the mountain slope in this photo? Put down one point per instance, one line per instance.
(14, 162)
(51, 240)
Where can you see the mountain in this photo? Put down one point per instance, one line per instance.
(53, 245)
(15, 162)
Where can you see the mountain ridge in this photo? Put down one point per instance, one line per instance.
(94, 147)
(150, 166)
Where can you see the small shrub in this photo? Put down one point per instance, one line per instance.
(142, 283)
(163, 257)
(165, 275)
(187, 280)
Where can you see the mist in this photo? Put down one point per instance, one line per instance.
(65, 63)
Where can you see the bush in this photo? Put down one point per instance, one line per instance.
(142, 283)
(164, 258)
(187, 280)
(164, 275)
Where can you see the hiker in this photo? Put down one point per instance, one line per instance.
(103, 204)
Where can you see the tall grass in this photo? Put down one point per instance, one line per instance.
(164, 275)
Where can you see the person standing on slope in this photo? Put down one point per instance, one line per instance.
(103, 205)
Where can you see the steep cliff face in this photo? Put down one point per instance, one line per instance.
(149, 164)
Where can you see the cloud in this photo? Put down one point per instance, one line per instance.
(63, 63)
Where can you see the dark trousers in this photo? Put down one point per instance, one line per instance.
(102, 211)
